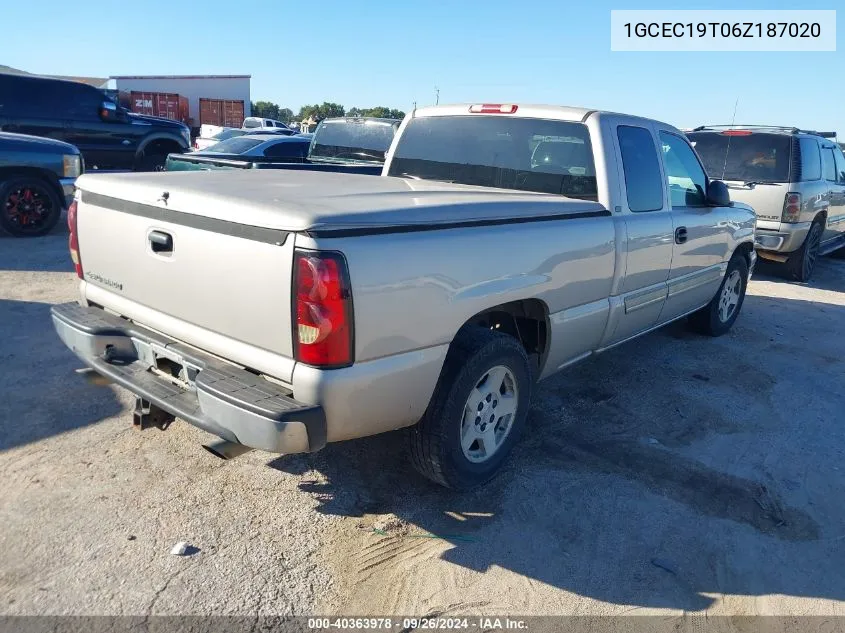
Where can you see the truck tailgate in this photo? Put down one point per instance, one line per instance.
(218, 285)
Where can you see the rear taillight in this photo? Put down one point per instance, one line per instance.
(322, 331)
(73, 240)
(791, 208)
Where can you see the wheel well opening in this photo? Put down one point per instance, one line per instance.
(7, 173)
(161, 146)
(745, 250)
(527, 321)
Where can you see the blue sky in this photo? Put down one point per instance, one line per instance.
(529, 51)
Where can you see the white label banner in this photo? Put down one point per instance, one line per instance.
(723, 30)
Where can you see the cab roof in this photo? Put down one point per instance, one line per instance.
(527, 110)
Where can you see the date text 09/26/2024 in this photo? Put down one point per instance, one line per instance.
(418, 623)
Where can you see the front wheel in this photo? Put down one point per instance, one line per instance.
(477, 412)
(29, 206)
(717, 317)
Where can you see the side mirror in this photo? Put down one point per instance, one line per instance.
(718, 194)
(110, 112)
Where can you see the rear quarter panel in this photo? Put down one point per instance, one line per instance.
(415, 290)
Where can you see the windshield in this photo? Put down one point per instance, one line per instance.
(497, 151)
(224, 134)
(251, 123)
(352, 139)
(237, 145)
(756, 157)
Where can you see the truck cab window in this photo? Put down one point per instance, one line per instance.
(686, 179)
(643, 185)
(498, 151)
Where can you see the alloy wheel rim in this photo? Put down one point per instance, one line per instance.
(28, 207)
(489, 414)
(729, 299)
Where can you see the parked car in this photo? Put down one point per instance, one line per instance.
(276, 131)
(794, 180)
(350, 145)
(37, 177)
(249, 150)
(256, 122)
(109, 136)
(201, 143)
(502, 244)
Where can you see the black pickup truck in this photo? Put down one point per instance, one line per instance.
(37, 178)
(108, 136)
(350, 145)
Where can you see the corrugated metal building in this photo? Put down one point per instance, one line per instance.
(225, 98)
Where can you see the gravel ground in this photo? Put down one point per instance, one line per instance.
(674, 474)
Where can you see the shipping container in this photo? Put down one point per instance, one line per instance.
(223, 112)
(162, 104)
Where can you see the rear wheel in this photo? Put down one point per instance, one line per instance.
(478, 410)
(717, 317)
(29, 206)
(802, 263)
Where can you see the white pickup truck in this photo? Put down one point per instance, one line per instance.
(284, 310)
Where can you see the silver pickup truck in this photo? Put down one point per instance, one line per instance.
(502, 243)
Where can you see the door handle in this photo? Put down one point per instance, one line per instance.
(161, 242)
(680, 235)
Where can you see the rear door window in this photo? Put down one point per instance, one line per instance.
(686, 179)
(286, 149)
(811, 162)
(840, 165)
(828, 164)
(643, 182)
(743, 155)
(37, 98)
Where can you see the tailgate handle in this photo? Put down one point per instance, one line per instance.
(161, 242)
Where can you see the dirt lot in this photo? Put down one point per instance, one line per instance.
(674, 474)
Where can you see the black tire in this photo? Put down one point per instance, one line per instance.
(435, 442)
(151, 162)
(802, 262)
(29, 206)
(708, 320)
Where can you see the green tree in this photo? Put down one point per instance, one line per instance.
(322, 111)
(265, 109)
(378, 111)
(285, 115)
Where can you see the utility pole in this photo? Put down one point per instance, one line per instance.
(415, 105)
(436, 95)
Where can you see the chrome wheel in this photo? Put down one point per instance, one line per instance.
(729, 299)
(489, 413)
